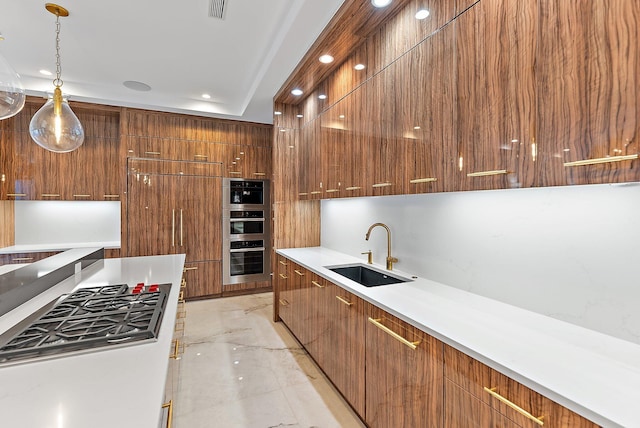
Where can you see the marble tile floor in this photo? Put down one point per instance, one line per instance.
(240, 369)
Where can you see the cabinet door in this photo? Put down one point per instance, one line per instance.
(203, 279)
(495, 56)
(588, 82)
(404, 374)
(343, 354)
(284, 292)
(317, 317)
(151, 214)
(198, 205)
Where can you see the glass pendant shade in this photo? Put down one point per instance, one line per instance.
(55, 127)
(12, 94)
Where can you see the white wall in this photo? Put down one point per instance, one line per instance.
(568, 252)
(64, 222)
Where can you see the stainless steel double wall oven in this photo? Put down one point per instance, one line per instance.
(247, 231)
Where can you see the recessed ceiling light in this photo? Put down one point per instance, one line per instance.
(297, 92)
(359, 67)
(137, 86)
(422, 14)
(326, 59)
(322, 96)
(206, 96)
(380, 3)
(341, 116)
(46, 72)
(277, 113)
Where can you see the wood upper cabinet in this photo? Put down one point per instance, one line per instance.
(476, 395)
(404, 374)
(173, 208)
(496, 104)
(92, 172)
(426, 110)
(588, 79)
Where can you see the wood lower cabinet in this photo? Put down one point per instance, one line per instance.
(477, 395)
(404, 374)
(175, 207)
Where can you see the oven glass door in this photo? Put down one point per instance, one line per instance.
(240, 227)
(247, 262)
(246, 192)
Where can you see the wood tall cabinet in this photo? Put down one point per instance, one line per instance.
(588, 89)
(175, 207)
(405, 366)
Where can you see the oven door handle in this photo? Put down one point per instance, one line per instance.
(235, 219)
(246, 250)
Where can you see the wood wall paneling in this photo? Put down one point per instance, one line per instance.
(588, 77)
(7, 222)
(495, 55)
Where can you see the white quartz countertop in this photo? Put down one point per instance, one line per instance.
(593, 374)
(122, 387)
(35, 248)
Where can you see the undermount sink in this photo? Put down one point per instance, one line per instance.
(366, 275)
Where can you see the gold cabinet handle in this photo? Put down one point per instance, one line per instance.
(385, 184)
(284, 276)
(111, 196)
(176, 350)
(190, 268)
(183, 283)
(181, 297)
(486, 173)
(602, 160)
(298, 272)
(423, 180)
(377, 323)
(345, 301)
(17, 195)
(21, 259)
(173, 227)
(50, 195)
(181, 228)
(283, 263)
(317, 284)
(284, 302)
(492, 391)
(169, 406)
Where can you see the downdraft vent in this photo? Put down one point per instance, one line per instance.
(216, 8)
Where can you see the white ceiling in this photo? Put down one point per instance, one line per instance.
(172, 46)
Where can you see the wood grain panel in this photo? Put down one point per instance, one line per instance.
(167, 167)
(7, 223)
(589, 90)
(296, 224)
(246, 288)
(404, 386)
(463, 410)
(203, 282)
(473, 376)
(495, 54)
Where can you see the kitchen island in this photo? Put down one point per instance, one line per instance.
(590, 373)
(104, 387)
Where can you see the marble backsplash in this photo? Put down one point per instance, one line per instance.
(570, 253)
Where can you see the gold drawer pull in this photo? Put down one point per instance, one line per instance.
(283, 302)
(284, 276)
(176, 350)
(111, 196)
(260, 173)
(181, 297)
(283, 263)
(190, 268)
(152, 153)
(386, 184)
(377, 323)
(51, 195)
(317, 284)
(169, 406)
(601, 160)
(423, 180)
(21, 259)
(81, 195)
(298, 272)
(316, 192)
(343, 300)
(514, 406)
(486, 173)
(353, 188)
(17, 194)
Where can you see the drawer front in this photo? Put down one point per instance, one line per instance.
(517, 402)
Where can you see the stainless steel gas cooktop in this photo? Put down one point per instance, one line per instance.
(88, 319)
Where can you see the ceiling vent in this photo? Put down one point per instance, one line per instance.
(216, 8)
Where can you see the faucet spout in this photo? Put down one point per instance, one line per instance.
(390, 260)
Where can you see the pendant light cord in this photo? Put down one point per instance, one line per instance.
(57, 81)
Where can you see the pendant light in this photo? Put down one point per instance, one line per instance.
(11, 91)
(55, 127)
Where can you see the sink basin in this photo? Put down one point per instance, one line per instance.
(366, 275)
